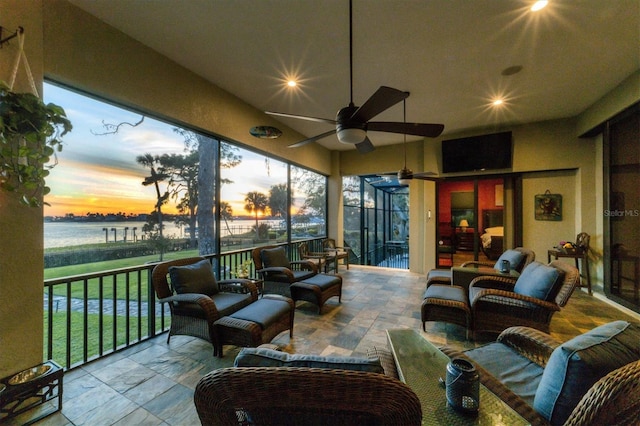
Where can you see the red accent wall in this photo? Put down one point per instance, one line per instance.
(486, 197)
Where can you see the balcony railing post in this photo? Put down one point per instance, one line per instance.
(151, 305)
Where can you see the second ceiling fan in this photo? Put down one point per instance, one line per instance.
(352, 122)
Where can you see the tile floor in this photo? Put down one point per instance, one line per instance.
(153, 383)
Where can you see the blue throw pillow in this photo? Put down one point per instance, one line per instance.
(514, 257)
(577, 364)
(261, 357)
(539, 281)
(195, 278)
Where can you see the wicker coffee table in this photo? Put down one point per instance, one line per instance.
(420, 364)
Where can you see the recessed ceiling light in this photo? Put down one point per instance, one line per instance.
(511, 70)
(498, 102)
(292, 83)
(539, 5)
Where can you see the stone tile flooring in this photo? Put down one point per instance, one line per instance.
(152, 383)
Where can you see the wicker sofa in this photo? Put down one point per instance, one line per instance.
(593, 379)
(269, 387)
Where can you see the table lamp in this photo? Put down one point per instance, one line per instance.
(464, 223)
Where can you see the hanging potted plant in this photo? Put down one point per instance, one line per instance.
(30, 136)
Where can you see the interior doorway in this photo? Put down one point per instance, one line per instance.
(471, 220)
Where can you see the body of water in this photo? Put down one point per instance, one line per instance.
(64, 234)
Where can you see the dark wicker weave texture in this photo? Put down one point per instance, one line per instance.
(239, 332)
(613, 400)
(495, 307)
(185, 319)
(304, 396)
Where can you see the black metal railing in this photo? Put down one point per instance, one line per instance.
(92, 315)
(390, 255)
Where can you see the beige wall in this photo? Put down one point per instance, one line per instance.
(21, 261)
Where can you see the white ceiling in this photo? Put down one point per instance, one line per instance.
(448, 54)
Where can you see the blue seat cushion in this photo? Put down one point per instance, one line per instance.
(578, 363)
(195, 278)
(298, 275)
(275, 257)
(515, 371)
(226, 303)
(539, 281)
(514, 257)
(323, 281)
(263, 312)
(262, 357)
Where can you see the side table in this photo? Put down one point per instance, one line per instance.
(576, 255)
(29, 388)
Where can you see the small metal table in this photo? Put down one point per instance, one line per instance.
(420, 364)
(29, 388)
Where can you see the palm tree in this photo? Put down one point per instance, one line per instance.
(226, 214)
(256, 202)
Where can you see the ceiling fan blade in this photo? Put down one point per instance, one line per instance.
(313, 139)
(365, 146)
(384, 98)
(417, 129)
(423, 174)
(302, 117)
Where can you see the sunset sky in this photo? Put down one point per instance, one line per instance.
(99, 173)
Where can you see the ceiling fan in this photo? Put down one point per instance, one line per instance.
(352, 122)
(406, 174)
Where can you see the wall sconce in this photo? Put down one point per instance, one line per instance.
(464, 224)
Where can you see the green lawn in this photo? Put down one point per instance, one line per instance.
(108, 285)
(77, 334)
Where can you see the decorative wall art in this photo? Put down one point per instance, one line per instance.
(548, 206)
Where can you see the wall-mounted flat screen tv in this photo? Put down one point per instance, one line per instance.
(485, 152)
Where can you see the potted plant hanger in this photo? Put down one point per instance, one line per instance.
(30, 136)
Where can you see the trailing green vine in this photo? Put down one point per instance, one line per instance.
(30, 135)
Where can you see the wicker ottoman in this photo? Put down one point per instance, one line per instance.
(317, 289)
(447, 303)
(256, 323)
(439, 276)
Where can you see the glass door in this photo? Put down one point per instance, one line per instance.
(622, 215)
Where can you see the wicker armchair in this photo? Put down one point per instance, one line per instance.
(613, 399)
(304, 396)
(322, 260)
(529, 256)
(495, 306)
(340, 253)
(285, 271)
(193, 314)
(446, 276)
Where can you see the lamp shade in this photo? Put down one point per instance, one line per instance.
(464, 223)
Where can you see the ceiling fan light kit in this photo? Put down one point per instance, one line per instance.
(351, 136)
(352, 122)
